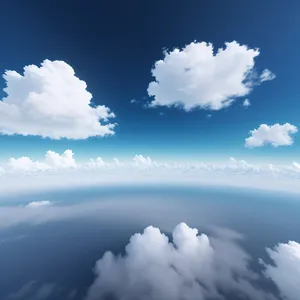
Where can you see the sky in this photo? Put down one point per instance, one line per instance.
(113, 49)
(151, 94)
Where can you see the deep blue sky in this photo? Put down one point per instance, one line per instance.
(112, 45)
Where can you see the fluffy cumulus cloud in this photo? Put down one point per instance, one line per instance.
(197, 77)
(285, 270)
(65, 160)
(275, 135)
(191, 266)
(50, 101)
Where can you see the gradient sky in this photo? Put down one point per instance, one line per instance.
(113, 46)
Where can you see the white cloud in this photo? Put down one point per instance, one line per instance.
(37, 204)
(286, 269)
(96, 163)
(142, 162)
(50, 101)
(242, 165)
(62, 170)
(246, 103)
(196, 77)
(117, 162)
(275, 135)
(65, 160)
(192, 266)
(26, 164)
(296, 166)
(266, 75)
(53, 161)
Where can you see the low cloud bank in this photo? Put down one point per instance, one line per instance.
(192, 266)
(62, 170)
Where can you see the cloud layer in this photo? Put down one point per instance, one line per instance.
(50, 101)
(191, 266)
(62, 170)
(275, 135)
(197, 77)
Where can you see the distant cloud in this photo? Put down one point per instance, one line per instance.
(191, 266)
(196, 77)
(142, 162)
(52, 161)
(26, 164)
(96, 163)
(62, 170)
(33, 291)
(117, 162)
(246, 103)
(275, 135)
(65, 160)
(50, 101)
(266, 75)
(296, 166)
(37, 204)
(285, 270)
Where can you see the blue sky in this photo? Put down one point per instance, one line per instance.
(113, 48)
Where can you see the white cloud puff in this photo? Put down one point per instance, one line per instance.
(196, 77)
(275, 135)
(50, 101)
(285, 271)
(37, 204)
(246, 103)
(192, 266)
